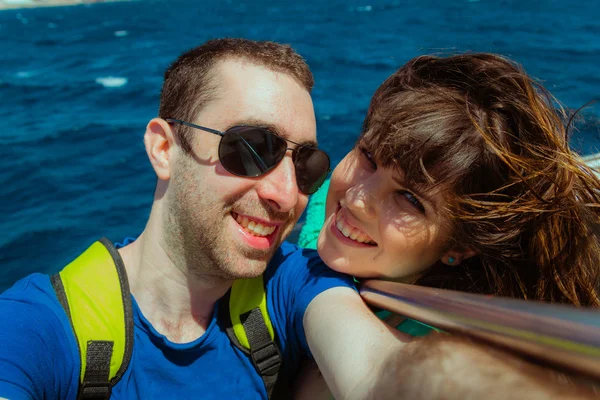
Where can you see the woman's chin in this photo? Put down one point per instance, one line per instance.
(341, 265)
(332, 260)
(335, 258)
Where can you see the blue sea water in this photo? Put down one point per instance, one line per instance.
(78, 85)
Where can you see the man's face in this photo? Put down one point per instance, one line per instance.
(215, 215)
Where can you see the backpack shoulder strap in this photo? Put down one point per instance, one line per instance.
(250, 328)
(94, 292)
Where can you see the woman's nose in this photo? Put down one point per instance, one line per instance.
(362, 200)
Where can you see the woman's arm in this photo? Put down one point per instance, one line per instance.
(309, 383)
(360, 358)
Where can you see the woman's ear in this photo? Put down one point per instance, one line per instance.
(159, 143)
(457, 255)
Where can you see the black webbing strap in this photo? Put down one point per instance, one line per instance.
(59, 289)
(95, 383)
(263, 350)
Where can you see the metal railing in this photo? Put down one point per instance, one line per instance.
(566, 336)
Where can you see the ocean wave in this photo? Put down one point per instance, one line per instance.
(49, 251)
(24, 74)
(75, 93)
(366, 8)
(112, 81)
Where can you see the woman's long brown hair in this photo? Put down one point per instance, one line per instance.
(494, 142)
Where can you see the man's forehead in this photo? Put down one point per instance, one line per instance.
(236, 73)
(249, 94)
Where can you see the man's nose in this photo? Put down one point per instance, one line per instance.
(279, 186)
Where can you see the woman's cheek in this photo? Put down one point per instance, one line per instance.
(334, 258)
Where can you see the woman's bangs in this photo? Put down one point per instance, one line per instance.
(427, 142)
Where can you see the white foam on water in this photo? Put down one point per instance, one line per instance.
(121, 33)
(363, 9)
(22, 19)
(111, 81)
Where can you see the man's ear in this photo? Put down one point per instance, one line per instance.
(159, 141)
(458, 254)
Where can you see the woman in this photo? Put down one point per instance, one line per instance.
(463, 179)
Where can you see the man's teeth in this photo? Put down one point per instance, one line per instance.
(351, 232)
(254, 228)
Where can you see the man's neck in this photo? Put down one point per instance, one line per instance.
(177, 303)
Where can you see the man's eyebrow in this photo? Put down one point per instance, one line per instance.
(275, 129)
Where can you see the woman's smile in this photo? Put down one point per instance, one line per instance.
(350, 230)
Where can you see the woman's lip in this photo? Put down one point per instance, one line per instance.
(344, 215)
(349, 220)
(346, 240)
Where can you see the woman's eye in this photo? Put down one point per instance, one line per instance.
(367, 155)
(411, 198)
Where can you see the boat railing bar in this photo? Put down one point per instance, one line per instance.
(566, 336)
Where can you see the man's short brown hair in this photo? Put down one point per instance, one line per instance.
(188, 84)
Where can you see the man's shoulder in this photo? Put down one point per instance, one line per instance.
(293, 262)
(289, 252)
(39, 357)
(34, 296)
(35, 286)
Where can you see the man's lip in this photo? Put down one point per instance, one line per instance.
(276, 224)
(258, 242)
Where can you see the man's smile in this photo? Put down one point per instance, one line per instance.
(255, 226)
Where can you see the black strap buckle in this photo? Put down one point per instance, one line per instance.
(94, 391)
(266, 358)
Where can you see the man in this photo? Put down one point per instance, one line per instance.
(228, 193)
(213, 220)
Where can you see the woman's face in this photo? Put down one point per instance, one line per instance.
(378, 227)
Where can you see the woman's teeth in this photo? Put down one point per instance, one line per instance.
(351, 232)
(254, 228)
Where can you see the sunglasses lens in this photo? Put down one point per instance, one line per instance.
(250, 151)
(312, 166)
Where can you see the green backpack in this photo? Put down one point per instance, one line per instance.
(94, 292)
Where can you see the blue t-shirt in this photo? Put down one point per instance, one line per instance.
(39, 357)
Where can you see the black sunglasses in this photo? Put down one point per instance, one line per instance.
(251, 151)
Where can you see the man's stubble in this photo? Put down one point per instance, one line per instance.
(196, 232)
